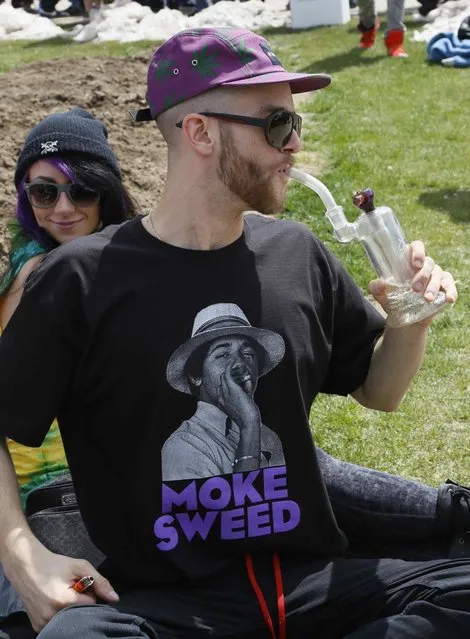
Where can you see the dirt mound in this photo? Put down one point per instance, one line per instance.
(108, 88)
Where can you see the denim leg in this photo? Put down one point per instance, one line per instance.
(395, 15)
(377, 505)
(201, 4)
(48, 5)
(367, 13)
(10, 601)
(430, 605)
(97, 622)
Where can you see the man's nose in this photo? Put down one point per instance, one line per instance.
(238, 367)
(294, 144)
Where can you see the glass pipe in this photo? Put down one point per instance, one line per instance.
(381, 235)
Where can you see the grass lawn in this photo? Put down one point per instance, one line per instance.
(401, 127)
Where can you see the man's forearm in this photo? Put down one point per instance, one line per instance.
(16, 538)
(396, 360)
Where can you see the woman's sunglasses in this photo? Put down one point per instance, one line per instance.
(44, 195)
(278, 126)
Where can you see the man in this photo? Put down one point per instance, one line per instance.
(246, 553)
(221, 364)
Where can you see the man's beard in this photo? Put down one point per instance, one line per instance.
(246, 179)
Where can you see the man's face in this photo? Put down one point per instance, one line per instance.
(248, 166)
(234, 356)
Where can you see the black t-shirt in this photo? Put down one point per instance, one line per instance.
(116, 335)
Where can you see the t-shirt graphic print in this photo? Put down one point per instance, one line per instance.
(223, 470)
(220, 366)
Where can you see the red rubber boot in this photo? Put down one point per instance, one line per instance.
(368, 36)
(394, 43)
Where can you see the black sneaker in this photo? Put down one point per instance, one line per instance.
(453, 517)
(460, 504)
(453, 509)
(48, 14)
(460, 547)
(73, 12)
(429, 5)
(426, 8)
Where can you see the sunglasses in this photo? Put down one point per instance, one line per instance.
(278, 126)
(44, 195)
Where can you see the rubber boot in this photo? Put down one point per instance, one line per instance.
(368, 36)
(394, 43)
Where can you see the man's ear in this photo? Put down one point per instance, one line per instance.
(195, 381)
(200, 133)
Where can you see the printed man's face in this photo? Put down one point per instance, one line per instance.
(233, 356)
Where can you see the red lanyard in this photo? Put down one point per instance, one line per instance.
(281, 604)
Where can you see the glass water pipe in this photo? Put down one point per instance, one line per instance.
(380, 233)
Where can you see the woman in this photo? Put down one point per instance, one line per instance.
(69, 185)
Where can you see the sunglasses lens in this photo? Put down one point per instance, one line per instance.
(298, 124)
(280, 129)
(81, 196)
(43, 195)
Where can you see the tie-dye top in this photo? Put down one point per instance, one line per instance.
(33, 466)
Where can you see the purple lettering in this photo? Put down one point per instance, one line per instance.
(286, 515)
(164, 530)
(275, 483)
(187, 497)
(230, 525)
(208, 493)
(259, 520)
(196, 525)
(243, 491)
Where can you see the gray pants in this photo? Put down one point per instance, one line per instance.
(9, 600)
(376, 506)
(395, 14)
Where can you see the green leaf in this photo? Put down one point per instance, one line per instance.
(206, 63)
(169, 100)
(245, 54)
(164, 69)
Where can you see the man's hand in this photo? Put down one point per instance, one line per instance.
(236, 402)
(44, 580)
(428, 279)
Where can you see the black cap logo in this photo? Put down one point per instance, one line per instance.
(271, 55)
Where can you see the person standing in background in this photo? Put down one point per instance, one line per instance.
(369, 25)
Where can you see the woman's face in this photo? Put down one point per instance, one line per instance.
(64, 221)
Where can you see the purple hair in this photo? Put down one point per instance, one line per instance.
(24, 212)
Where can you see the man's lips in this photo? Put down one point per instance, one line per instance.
(284, 170)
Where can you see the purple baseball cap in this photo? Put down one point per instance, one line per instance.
(197, 60)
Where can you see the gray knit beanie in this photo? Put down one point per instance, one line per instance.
(75, 131)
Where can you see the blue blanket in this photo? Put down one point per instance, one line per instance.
(447, 49)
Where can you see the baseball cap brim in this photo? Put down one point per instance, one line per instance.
(141, 115)
(299, 83)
